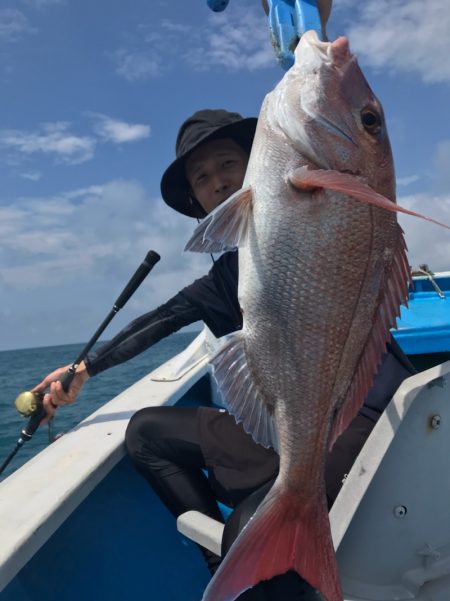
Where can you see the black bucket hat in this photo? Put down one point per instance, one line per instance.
(203, 126)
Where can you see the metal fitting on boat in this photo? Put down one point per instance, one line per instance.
(435, 422)
(400, 511)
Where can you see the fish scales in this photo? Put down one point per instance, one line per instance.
(321, 276)
(308, 345)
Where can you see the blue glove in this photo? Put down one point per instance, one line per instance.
(288, 21)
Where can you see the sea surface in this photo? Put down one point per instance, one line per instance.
(21, 370)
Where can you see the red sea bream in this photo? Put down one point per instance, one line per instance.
(322, 272)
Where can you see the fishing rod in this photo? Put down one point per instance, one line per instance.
(30, 404)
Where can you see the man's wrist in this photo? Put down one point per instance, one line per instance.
(82, 371)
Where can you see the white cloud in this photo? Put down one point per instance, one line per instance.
(427, 242)
(175, 27)
(55, 254)
(33, 176)
(404, 35)
(84, 192)
(442, 164)
(408, 179)
(136, 65)
(58, 141)
(54, 244)
(13, 24)
(113, 130)
(238, 41)
(53, 139)
(44, 3)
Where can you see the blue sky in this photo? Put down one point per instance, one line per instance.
(92, 94)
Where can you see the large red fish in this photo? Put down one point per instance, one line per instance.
(322, 272)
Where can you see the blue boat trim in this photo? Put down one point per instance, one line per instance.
(424, 326)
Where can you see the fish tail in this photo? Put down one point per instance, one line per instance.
(278, 538)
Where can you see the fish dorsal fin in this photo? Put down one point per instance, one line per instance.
(240, 393)
(395, 293)
(226, 227)
(350, 185)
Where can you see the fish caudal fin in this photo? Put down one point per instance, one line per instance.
(278, 538)
(350, 185)
(226, 227)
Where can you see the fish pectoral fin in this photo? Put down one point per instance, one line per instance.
(226, 227)
(350, 185)
(240, 393)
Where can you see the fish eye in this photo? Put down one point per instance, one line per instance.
(371, 121)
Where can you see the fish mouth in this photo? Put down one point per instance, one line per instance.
(311, 55)
(311, 38)
(336, 53)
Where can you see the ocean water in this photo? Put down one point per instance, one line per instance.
(21, 370)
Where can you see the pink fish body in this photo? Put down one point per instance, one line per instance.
(321, 277)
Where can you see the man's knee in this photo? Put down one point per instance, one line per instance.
(141, 432)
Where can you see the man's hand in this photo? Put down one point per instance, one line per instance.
(56, 395)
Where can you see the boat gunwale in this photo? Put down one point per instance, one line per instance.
(37, 498)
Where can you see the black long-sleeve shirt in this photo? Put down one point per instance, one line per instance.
(211, 299)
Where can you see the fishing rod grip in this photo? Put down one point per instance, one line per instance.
(67, 378)
(33, 423)
(136, 280)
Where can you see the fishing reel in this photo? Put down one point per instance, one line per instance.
(31, 404)
(28, 403)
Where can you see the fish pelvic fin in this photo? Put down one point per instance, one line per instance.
(281, 536)
(226, 227)
(392, 295)
(240, 393)
(350, 185)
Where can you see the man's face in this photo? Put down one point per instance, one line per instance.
(215, 170)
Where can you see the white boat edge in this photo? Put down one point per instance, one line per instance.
(375, 448)
(37, 498)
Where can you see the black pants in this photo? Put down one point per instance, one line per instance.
(164, 445)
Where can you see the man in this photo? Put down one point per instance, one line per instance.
(172, 446)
